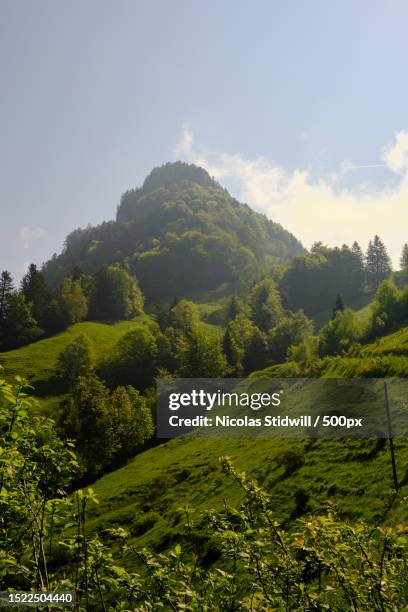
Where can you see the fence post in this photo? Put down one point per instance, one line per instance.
(390, 437)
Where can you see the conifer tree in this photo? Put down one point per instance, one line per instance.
(358, 253)
(17, 326)
(6, 289)
(34, 288)
(378, 264)
(358, 266)
(404, 258)
(234, 308)
(339, 306)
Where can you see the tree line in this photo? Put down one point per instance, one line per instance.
(34, 310)
(313, 281)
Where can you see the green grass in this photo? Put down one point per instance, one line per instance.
(148, 494)
(387, 356)
(37, 361)
(361, 307)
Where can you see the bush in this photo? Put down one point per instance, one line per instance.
(290, 460)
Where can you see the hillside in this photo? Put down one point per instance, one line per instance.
(36, 362)
(179, 233)
(387, 356)
(146, 495)
(361, 306)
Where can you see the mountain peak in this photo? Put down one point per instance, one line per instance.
(181, 232)
(176, 172)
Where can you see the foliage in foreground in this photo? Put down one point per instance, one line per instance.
(323, 564)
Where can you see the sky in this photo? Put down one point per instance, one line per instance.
(298, 108)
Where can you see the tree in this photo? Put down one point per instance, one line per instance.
(76, 359)
(236, 341)
(387, 309)
(73, 303)
(339, 334)
(106, 427)
(235, 307)
(179, 325)
(294, 329)
(6, 289)
(116, 295)
(34, 288)
(306, 284)
(18, 326)
(183, 316)
(134, 360)
(378, 264)
(35, 469)
(311, 282)
(265, 304)
(161, 315)
(256, 353)
(202, 357)
(404, 258)
(339, 306)
(130, 420)
(358, 267)
(84, 418)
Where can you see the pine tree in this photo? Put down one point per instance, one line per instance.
(358, 267)
(6, 289)
(18, 326)
(34, 288)
(358, 252)
(234, 308)
(378, 264)
(404, 258)
(338, 307)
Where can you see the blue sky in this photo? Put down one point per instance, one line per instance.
(283, 101)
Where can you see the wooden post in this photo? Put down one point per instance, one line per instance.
(390, 437)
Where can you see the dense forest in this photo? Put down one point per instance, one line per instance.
(180, 232)
(188, 282)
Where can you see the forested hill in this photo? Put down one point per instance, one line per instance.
(180, 232)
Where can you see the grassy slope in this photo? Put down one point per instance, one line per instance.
(146, 494)
(361, 307)
(387, 356)
(37, 361)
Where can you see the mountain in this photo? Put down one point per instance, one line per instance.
(180, 232)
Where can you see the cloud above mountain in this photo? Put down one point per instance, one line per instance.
(327, 209)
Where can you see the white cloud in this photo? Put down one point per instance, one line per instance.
(29, 235)
(321, 210)
(185, 144)
(396, 156)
